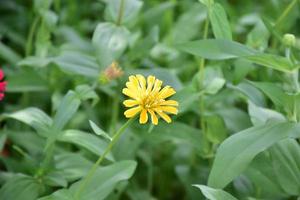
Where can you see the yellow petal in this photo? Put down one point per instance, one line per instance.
(134, 80)
(169, 103)
(131, 86)
(157, 86)
(169, 109)
(130, 103)
(130, 93)
(150, 83)
(142, 81)
(132, 111)
(154, 118)
(143, 116)
(164, 116)
(166, 92)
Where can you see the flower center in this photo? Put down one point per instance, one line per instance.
(150, 101)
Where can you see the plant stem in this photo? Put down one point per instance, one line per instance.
(201, 80)
(202, 61)
(49, 153)
(92, 171)
(121, 12)
(45, 163)
(285, 13)
(31, 35)
(295, 84)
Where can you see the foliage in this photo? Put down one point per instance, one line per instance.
(233, 64)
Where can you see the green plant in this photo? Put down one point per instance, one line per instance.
(234, 66)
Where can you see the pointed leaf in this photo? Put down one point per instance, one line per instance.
(236, 152)
(99, 131)
(214, 194)
(86, 140)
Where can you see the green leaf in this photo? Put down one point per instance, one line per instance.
(235, 118)
(33, 117)
(188, 21)
(65, 111)
(99, 131)
(101, 185)
(273, 61)
(50, 18)
(27, 140)
(214, 86)
(260, 116)
(286, 163)
(20, 188)
(7, 54)
(72, 165)
(262, 175)
(154, 13)
(236, 152)
(105, 180)
(186, 98)
(62, 194)
(34, 61)
(55, 179)
(208, 3)
(275, 93)
(42, 5)
(251, 92)
(77, 63)
(130, 10)
(219, 22)
(26, 80)
(214, 194)
(85, 140)
(219, 49)
(110, 41)
(215, 128)
(216, 49)
(258, 38)
(85, 92)
(271, 29)
(142, 47)
(178, 133)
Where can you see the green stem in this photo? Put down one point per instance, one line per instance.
(31, 35)
(44, 166)
(281, 18)
(202, 61)
(201, 80)
(49, 151)
(295, 84)
(92, 171)
(121, 12)
(285, 13)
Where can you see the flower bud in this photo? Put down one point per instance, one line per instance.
(113, 71)
(289, 40)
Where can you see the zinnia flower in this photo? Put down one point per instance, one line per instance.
(2, 85)
(148, 97)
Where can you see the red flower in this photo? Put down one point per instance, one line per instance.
(2, 85)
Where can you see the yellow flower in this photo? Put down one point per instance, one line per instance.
(148, 97)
